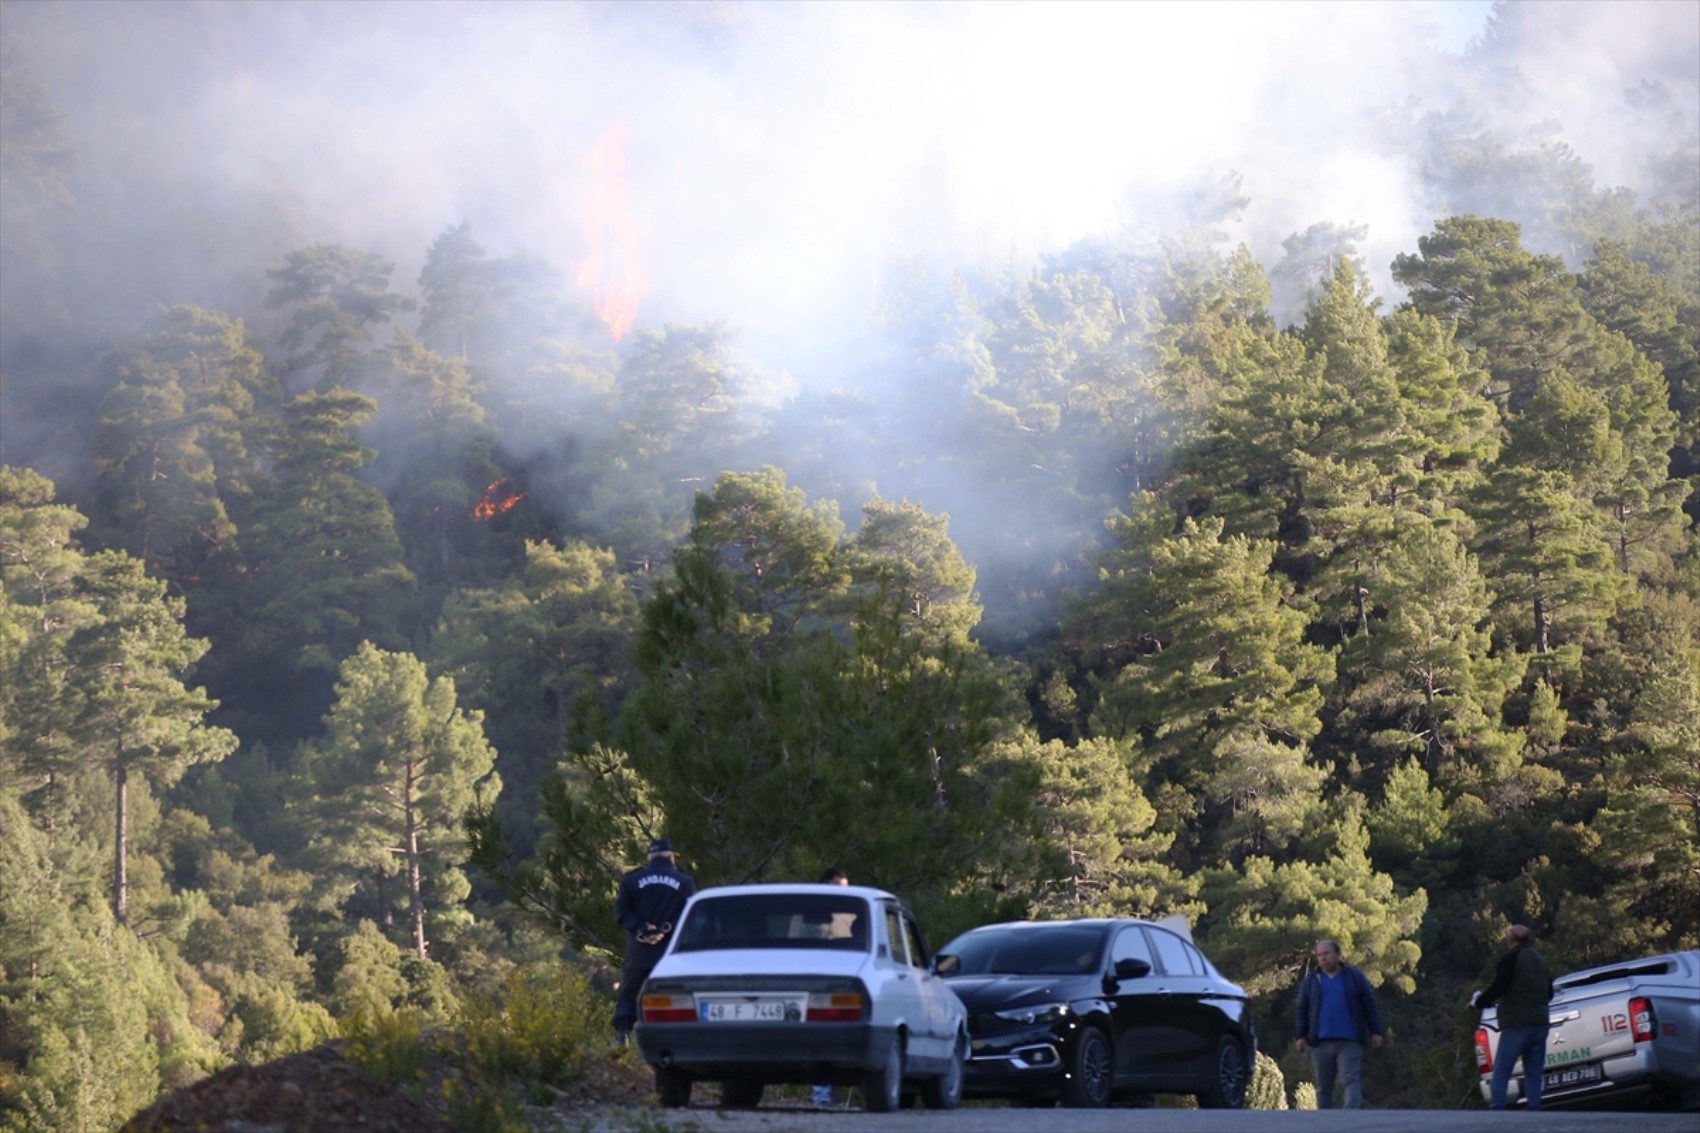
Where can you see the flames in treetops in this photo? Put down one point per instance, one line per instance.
(610, 270)
(499, 497)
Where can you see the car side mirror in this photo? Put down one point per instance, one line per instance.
(1131, 969)
(946, 964)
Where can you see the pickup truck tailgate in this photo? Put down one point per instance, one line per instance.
(1626, 1027)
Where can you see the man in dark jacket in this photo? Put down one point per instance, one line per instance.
(650, 901)
(1522, 985)
(1334, 1017)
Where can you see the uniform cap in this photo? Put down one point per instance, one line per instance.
(660, 846)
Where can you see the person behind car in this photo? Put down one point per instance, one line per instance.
(1522, 987)
(649, 903)
(831, 875)
(1334, 1017)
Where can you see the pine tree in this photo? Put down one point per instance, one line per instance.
(1520, 310)
(1093, 848)
(43, 606)
(337, 298)
(781, 552)
(1424, 679)
(1542, 539)
(1264, 915)
(903, 547)
(399, 765)
(1225, 701)
(435, 449)
(134, 713)
(533, 655)
(458, 287)
(321, 571)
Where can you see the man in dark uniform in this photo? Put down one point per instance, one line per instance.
(650, 901)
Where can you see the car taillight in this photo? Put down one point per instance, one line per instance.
(669, 1009)
(1643, 1020)
(834, 1008)
(1484, 1053)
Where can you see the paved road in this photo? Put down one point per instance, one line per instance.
(1000, 1120)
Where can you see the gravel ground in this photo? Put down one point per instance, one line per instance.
(321, 1091)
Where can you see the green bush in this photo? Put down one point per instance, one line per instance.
(476, 1108)
(542, 1027)
(1268, 1089)
(388, 1044)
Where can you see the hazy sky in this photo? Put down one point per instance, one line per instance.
(780, 156)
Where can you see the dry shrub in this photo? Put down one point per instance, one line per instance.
(541, 1028)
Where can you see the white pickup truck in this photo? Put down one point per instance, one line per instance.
(1620, 1032)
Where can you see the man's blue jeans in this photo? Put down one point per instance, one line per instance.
(1340, 1058)
(1529, 1044)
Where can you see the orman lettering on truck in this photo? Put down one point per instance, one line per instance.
(1560, 1057)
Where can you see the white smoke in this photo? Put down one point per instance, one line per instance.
(783, 155)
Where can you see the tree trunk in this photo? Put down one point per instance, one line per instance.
(120, 843)
(1540, 624)
(1431, 750)
(443, 538)
(416, 902)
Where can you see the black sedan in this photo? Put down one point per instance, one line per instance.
(1081, 1011)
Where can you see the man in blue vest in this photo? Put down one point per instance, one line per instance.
(648, 906)
(1334, 1017)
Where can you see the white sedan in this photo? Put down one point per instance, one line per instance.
(824, 984)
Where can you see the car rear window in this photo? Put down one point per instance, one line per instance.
(1062, 950)
(776, 920)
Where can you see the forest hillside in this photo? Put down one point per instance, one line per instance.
(434, 462)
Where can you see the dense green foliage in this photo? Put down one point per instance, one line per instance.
(342, 653)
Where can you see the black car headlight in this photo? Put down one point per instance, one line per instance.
(1039, 1013)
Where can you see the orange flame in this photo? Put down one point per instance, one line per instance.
(611, 270)
(499, 498)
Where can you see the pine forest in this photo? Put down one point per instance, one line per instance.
(382, 567)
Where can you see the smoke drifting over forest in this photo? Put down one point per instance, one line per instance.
(782, 157)
(807, 174)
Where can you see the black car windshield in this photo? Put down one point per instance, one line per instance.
(1041, 950)
(775, 920)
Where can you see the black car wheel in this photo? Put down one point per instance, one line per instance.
(1091, 1073)
(1233, 1077)
(741, 1093)
(672, 1088)
(945, 1091)
(882, 1091)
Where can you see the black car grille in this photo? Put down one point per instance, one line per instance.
(989, 1024)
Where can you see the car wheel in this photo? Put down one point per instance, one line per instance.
(1091, 1073)
(1232, 1077)
(672, 1088)
(945, 1091)
(741, 1093)
(882, 1091)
